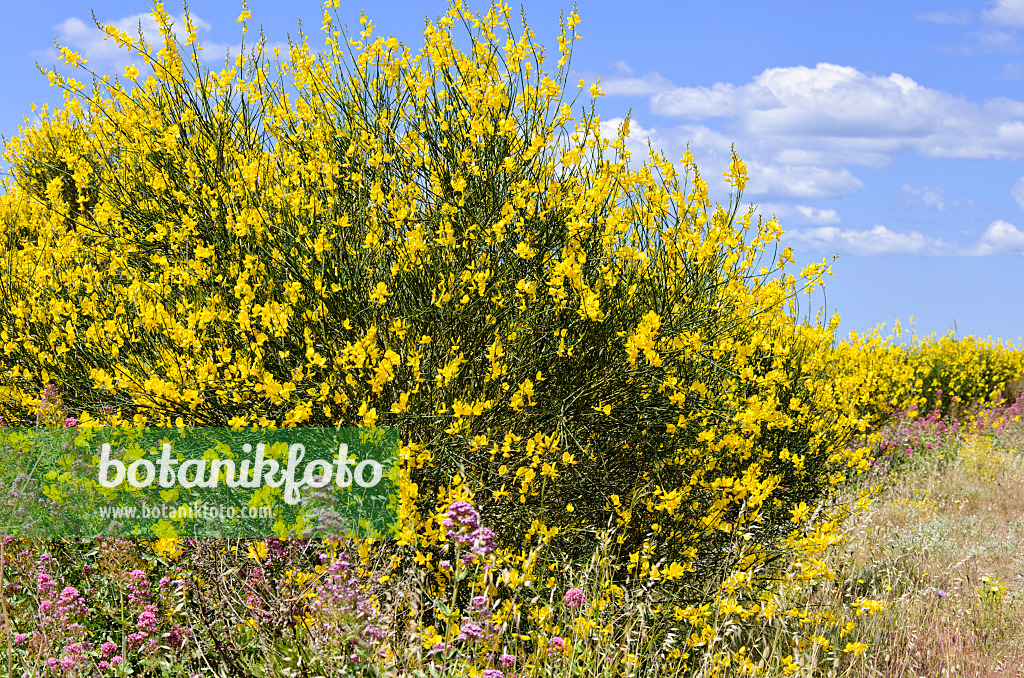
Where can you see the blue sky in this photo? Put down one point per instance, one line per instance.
(888, 133)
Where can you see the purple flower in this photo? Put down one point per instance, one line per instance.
(438, 647)
(19, 638)
(45, 584)
(134, 641)
(940, 593)
(483, 541)
(108, 648)
(492, 673)
(147, 620)
(138, 587)
(507, 661)
(70, 422)
(463, 513)
(460, 520)
(574, 598)
(556, 644)
(471, 629)
(374, 632)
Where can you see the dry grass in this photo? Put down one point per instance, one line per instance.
(945, 551)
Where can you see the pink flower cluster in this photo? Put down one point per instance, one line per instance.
(575, 598)
(463, 524)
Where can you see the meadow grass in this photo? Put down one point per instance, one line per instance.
(941, 547)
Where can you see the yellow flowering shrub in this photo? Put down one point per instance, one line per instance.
(433, 241)
(973, 370)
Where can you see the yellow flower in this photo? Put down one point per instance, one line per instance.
(167, 546)
(380, 293)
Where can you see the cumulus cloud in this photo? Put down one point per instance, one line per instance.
(827, 100)
(831, 151)
(999, 238)
(813, 215)
(711, 149)
(720, 100)
(1006, 13)
(834, 114)
(801, 181)
(929, 196)
(869, 242)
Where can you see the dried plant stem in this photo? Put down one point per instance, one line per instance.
(3, 608)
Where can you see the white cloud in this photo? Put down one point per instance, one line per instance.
(833, 151)
(813, 215)
(999, 238)
(826, 100)
(719, 100)
(799, 214)
(625, 84)
(958, 17)
(711, 149)
(1017, 192)
(834, 114)
(930, 197)
(1004, 107)
(801, 181)
(1005, 12)
(705, 138)
(874, 242)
